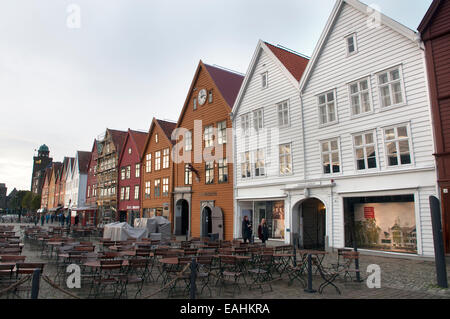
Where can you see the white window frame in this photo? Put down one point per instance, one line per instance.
(222, 132)
(284, 162)
(188, 141)
(258, 119)
(247, 163)
(410, 143)
(165, 187)
(355, 44)
(127, 193)
(157, 160)
(329, 153)
(136, 192)
(209, 173)
(350, 95)
(255, 161)
(208, 136)
(187, 175)
(137, 170)
(157, 186)
(148, 189)
(148, 163)
(222, 165)
(389, 83)
(128, 169)
(364, 147)
(266, 76)
(336, 120)
(166, 158)
(245, 124)
(288, 117)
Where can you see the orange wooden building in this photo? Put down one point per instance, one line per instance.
(203, 185)
(157, 171)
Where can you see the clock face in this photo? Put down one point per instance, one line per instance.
(202, 95)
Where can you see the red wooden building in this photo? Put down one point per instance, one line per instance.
(129, 179)
(91, 188)
(435, 33)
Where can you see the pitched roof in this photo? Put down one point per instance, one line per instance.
(139, 139)
(294, 63)
(118, 138)
(431, 13)
(167, 128)
(83, 161)
(227, 82)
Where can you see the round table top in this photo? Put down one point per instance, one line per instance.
(97, 263)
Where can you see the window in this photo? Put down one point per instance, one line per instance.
(330, 157)
(208, 136)
(129, 150)
(245, 165)
(351, 44)
(136, 192)
(88, 191)
(137, 172)
(327, 108)
(156, 138)
(128, 172)
(122, 173)
(157, 160)
(397, 141)
(223, 171)
(365, 152)
(122, 193)
(157, 187)
(210, 96)
(147, 189)
(360, 97)
(285, 159)
(188, 141)
(222, 132)
(209, 173)
(390, 87)
(187, 175)
(245, 123)
(127, 193)
(258, 119)
(165, 191)
(283, 113)
(264, 80)
(259, 163)
(195, 103)
(148, 163)
(166, 158)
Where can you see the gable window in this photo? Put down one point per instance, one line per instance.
(222, 132)
(188, 141)
(136, 192)
(148, 186)
(157, 160)
(365, 151)
(327, 108)
(258, 119)
(195, 103)
(129, 150)
(390, 86)
(208, 136)
(351, 44)
(166, 158)
(148, 163)
(137, 172)
(265, 80)
(259, 163)
(165, 190)
(285, 159)
(223, 171)
(398, 150)
(187, 175)
(245, 124)
(210, 96)
(283, 113)
(245, 165)
(156, 138)
(157, 187)
(359, 97)
(330, 157)
(209, 173)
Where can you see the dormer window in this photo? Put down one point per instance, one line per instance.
(351, 44)
(264, 80)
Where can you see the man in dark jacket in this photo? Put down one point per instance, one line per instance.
(246, 229)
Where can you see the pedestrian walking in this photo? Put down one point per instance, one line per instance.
(263, 231)
(42, 219)
(246, 229)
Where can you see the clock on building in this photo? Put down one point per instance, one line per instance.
(202, 95)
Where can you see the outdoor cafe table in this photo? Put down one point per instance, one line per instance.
(285, 259)
(319, 255)
(97, 263)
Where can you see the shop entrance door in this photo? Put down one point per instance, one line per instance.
(314, 231)
(206, 222)
(181, 217)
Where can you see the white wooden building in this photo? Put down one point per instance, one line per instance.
(76, 181)
(360, 139)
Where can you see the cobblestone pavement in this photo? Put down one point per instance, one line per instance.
(401, 278)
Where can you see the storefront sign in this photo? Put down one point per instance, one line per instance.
(369, 212)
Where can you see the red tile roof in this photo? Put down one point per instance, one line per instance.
(227, 82)
(168, 128)
(294, 63)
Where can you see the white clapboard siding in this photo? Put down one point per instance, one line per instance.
(254, 97)
(378, 49)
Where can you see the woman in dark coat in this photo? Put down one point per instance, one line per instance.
(246, 229)
(263, 231)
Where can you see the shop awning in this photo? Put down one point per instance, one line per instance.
(55, 209)
(84, 208)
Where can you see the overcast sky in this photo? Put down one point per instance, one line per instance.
(130, 61)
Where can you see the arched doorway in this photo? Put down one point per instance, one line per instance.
(206, 221)
(182, 217)
(313, 224)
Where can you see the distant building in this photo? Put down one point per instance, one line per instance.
(40, 163)
(3, 190)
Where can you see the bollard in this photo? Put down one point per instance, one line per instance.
(35, 284)
(441, 270)
(193, 287)
(310, 289)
